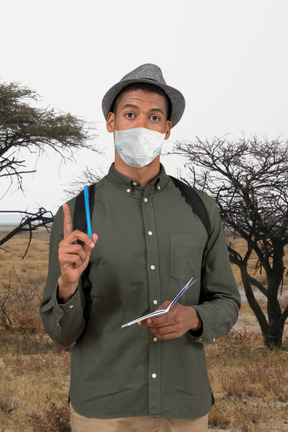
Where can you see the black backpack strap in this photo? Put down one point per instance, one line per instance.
(79, 212)
(80, 224)
(194, 200)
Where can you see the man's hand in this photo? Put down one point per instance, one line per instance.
(73, 257)
(175, 323)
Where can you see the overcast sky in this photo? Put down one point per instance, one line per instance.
(228, 58)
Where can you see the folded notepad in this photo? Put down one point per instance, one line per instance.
(162, 311)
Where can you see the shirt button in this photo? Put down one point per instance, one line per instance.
(155, 302)
(214, 339)
(150, 232)
(145, 200)
(152, 267)
(154, 375)
(71, 306)
(155, 339)
(158, 187)
(128, 190)
(135, 183)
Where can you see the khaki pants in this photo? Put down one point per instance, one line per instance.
(136, 424)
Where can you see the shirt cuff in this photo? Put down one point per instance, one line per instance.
(74, 301)
(196, 333)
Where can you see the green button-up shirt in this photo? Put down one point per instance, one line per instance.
(150, 244)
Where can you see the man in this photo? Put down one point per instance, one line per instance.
(149, 243)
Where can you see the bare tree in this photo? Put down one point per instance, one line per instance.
(89, 176)
(26, 129)
(30, 222)
(249, 180)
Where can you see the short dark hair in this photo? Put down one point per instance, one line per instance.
(146, 87)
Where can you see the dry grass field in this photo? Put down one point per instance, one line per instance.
(249, 382)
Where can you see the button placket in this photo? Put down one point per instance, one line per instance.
(152, 250)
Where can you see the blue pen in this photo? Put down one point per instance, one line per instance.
(87, 208)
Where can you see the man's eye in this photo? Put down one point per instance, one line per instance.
(155, 118)
(129, 115)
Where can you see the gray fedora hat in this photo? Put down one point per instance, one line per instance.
(147, 73)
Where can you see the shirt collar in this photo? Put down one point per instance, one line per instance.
(130, 185)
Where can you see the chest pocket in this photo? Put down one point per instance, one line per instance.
(186, 253)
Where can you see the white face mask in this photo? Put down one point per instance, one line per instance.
(138, 147)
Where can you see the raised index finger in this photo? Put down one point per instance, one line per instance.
(67, 221)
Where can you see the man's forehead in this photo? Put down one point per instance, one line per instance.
(136, 97)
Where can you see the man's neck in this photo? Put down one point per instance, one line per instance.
(142, 175)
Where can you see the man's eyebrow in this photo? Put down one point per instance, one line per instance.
(158, 110)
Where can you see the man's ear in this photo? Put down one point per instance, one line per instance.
(168, 129)
(110, 122)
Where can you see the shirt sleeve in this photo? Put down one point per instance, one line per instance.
(221, 299)
(64, 323)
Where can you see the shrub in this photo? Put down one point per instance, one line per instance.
(54, 419)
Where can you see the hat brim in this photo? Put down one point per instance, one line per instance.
(176, 98)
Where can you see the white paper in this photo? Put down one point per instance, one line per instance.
(162, 311)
